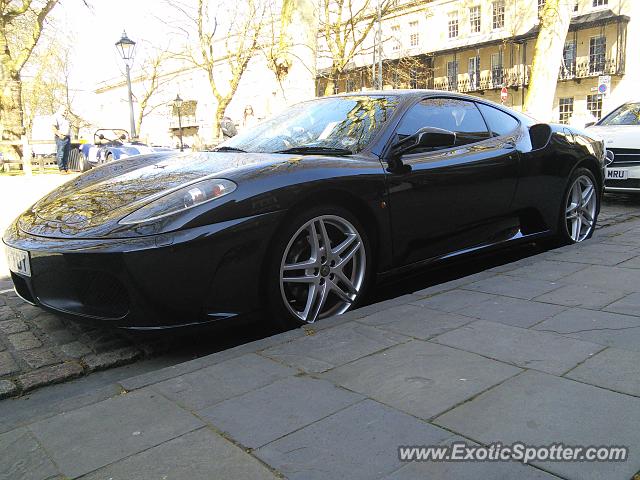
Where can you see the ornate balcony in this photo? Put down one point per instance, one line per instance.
(586, 69)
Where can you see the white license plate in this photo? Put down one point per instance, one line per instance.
(18, 261)
(617, 174)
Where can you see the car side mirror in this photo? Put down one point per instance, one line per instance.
(589, 124)
(427, 137)
(540, 134)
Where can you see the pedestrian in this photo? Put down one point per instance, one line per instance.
(228, 128)
(248, 117)
(62, 131)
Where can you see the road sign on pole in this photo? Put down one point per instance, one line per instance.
(504, 93)
(604, 85)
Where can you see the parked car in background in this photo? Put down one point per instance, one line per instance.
(620, 131)
(109, 144)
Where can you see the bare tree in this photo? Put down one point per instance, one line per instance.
(21, 24)
(291, 53)
(222, 51)
(344, 27)
(547, 58)
(153, 84)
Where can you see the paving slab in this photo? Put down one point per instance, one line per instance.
(510, 286)
(540, 409)
(264, 415)
(548, 270)
(333, 347)
(585, 296)
(198, 455)
(615, 278)
(222, 381)
(612, 329)
(547, 352)
(416, 321)
(454, 300)
(513, 311)
(94, 436)
(629, 305)
(421, 378)
(598, 254)
(22, 458)
(358, 443)
(612, 368)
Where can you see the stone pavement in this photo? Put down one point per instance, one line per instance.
(542, 350)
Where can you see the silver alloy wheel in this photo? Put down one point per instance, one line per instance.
(581, 209)
(323, 268)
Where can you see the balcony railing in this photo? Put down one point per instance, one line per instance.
(585, 69)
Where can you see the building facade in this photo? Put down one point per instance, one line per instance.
(481, 46)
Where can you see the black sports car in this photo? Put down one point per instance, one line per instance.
(304, 212)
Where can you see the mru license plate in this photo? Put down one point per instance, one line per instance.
(18, 261)
(617, 174)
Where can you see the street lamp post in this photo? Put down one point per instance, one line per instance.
(178, 104)
(126, 48)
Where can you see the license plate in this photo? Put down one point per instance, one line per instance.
(617, 174)
(18, 261)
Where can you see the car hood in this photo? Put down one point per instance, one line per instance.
(617, 136)
(91, 205)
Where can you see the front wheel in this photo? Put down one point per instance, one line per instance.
(320, 266)
(581, 204)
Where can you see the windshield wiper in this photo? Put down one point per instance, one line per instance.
(229, 149)
(312, 150)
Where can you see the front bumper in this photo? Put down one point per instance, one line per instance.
(180, 278)
(629, 185)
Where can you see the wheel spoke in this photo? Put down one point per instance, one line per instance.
(311, 263)
(572, 209)
(345, 244)
(587, 195)
(319, 301)
(303, 279)
(340, 293)
(343, 278)
(326, 241)
(349, 255)
(313, 237)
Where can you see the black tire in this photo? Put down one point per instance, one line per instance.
(563, 236)
(281, 314)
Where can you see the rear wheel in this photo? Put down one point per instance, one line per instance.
(580, 207)
(320, 265)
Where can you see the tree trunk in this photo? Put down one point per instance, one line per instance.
(296, 64)
(11, 110)
(547, 58)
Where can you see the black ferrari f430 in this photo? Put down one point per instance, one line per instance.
(303, 213)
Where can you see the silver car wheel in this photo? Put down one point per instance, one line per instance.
(323, 268)
(581, 209)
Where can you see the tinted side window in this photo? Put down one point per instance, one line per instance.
(458, 116)
(499, 123)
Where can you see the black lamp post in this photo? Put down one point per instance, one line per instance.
(178, 104)
(126, 48)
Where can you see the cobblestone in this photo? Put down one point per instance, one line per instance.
(24, 341)
(49, 375)
(7, 364)
(9, 327)
(40, 357)
(7, 388)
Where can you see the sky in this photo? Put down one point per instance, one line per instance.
(97, 29)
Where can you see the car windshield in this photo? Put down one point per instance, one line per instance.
(335, 124)
(628, 114)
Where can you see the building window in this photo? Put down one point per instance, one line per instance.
(475, 19)
(474, 73)
(395, 33)
(452, 75)
(594, 105)
(566, 110)
(414, 36)
(350, 85)
(540, 7)
(453, 24)
(413, 78)
(569, 60)
(497, 77)
(575, 5)
(597, 54)
(600, 3)
(498, 14)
